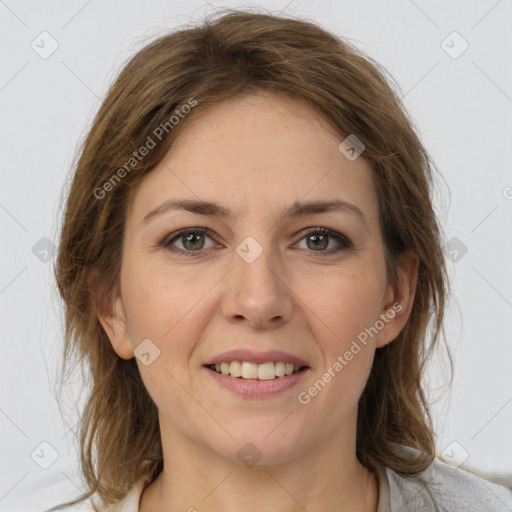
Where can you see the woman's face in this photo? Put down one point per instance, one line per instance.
(262, 268)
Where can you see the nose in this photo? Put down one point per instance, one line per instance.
(258, 293)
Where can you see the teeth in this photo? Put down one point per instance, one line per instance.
(266, 371)
(280, 369)
(248, 370)
(235, 369)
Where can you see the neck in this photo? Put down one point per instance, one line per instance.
(198, 479)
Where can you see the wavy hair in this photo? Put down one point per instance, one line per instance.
(228, 54)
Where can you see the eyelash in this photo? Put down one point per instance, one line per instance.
(345, 243)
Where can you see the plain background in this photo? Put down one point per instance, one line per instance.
(462, 106)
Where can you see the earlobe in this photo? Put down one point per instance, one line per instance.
(400, 299)
(111, 315)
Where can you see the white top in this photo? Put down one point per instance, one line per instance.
(449, 490)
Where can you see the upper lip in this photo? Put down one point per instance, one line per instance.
(273, 356)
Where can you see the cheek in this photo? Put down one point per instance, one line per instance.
(341, 310)
(344, 304)
(162, 310)
(171, 309)
(160, 300)
(350, 306)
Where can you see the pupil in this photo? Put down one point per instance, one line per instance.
(320, 241)
(192, 239)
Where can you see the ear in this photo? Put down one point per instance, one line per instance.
(111, 314)
(399, 299)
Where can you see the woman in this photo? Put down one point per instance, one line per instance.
(249, 262)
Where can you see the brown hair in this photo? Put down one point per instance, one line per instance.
(228, 54)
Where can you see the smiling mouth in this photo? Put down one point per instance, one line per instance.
(254, 371)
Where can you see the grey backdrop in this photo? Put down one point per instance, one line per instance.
(452, 62)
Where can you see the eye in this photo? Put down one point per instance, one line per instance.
(319, 240)
(188, 241)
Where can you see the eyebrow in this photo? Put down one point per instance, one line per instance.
(297, 209)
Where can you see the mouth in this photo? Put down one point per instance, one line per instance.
(247, 370)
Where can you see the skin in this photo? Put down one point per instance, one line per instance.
(256, 155)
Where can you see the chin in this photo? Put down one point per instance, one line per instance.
(261, 444)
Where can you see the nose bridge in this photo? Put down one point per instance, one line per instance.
(258, 266)
(257, 291)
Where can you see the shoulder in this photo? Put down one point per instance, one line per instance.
(442, 487)
(130, 503)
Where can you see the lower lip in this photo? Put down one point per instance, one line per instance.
(254, 388)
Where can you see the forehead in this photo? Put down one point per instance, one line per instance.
(262, 151)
